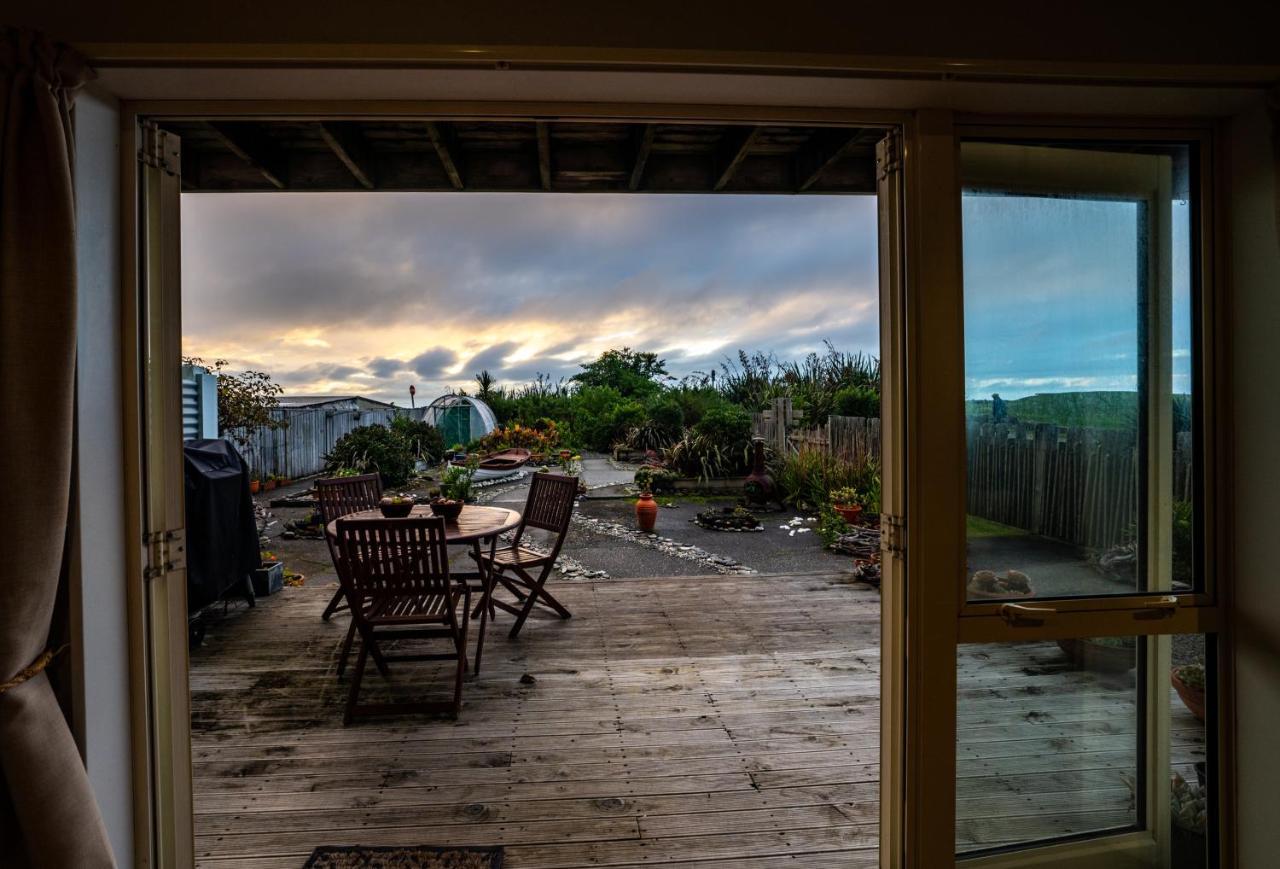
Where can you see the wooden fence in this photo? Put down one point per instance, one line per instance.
(1079, 485)
(298, 449)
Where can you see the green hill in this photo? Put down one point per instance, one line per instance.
(1091, 409)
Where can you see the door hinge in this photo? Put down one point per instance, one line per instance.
(893, 535)
(166, 552)
(889, 155)
(160, 149)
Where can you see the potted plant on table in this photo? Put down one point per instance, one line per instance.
(847, 501)
(395, 506)
(455, 490)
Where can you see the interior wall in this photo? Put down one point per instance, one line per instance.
(1255, 266)
(99, 584)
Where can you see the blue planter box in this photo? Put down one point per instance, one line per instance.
(268, 579)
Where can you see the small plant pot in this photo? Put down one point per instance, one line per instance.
(268, 485)
(395, 509)
(255, 486)
(851, 513)
(450, 510)
(1098, 657)
(269, 578)
(1192, 698)
(646, 512)
(565, 455)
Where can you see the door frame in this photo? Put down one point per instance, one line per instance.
(919, 622)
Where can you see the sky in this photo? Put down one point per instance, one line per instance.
(368, 293)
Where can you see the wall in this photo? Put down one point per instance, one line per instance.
(1255, 265)
(99, 582)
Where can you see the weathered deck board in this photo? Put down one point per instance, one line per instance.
(724, 720)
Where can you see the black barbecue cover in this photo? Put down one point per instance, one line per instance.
(222, 534)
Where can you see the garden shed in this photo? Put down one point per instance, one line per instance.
(460, 418)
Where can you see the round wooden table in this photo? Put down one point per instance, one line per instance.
(474, 523)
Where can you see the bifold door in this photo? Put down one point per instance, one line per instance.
(1086, 607)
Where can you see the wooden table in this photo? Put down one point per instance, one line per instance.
(475, 525)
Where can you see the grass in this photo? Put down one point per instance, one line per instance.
(1117, 410)
(976, 527)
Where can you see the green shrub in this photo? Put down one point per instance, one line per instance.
(806, 480)
(727, 424)
(424, 440)
(857, 400)
(656, 480)
(370, 448)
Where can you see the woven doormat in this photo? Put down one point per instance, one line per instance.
(410, 857)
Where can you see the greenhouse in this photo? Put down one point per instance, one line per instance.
(461, 419)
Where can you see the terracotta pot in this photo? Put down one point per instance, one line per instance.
(850, 513)
(565, 455)
(269, 485)
(1192, 698)
(254, 486)
(646, 512)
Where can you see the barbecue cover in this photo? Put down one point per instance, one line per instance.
(222, 533)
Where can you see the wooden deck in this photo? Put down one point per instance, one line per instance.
(723, 721)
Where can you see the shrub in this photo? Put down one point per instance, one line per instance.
(655, 479)
(542, 437)
(370, 448)
(806, 480)
(456, 482)
(857, 400)
(424, 440)
(727, 424)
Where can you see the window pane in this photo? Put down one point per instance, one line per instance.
(1079, 366)
(1084, 738)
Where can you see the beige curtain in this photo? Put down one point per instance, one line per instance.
(48, 817)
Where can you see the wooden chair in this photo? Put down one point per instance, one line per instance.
(338, 497)
(396, 579)
(549, 508)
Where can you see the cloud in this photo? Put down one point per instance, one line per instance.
(431, 364)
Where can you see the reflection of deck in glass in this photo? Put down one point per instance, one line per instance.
(672, 719)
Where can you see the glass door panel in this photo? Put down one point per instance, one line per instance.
(1084, 507)
(1080, 401)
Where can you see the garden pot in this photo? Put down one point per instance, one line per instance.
(646, 512)
(450, 510)
(254, 486)
(269, 578)
(850, 513)
(269, 485)
(1192, 698)
(395, 509)
(1099, 657)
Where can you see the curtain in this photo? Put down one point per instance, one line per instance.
(48, 817)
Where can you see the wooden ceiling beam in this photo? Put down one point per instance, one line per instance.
(643, 147)
(821, 151)
(735, 144)
(346, 143)
(446, 147)
(249, 143)
(544, 154)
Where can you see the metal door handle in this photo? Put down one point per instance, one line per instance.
(1159, 608)
(1019, 615)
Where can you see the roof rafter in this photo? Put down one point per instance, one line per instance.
(823, 150)
(643, 147)
(249, 143)
(444, 144)
(733, 150)
(348, 146)
(544, 153)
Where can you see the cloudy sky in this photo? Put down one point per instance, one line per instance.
(371, 292)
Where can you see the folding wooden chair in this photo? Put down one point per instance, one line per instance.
(549, 508)
(396, 578)
(338, 497)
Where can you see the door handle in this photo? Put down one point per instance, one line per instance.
(1020, 615)
(1158, 608)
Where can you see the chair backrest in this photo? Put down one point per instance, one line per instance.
(550, 505)
(393, 557)
(341, 496)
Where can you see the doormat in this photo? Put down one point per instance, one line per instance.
(409, 857)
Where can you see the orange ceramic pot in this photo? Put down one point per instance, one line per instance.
(646, 512)
(254, 486)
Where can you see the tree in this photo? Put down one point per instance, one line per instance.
(631, 372)
(245, 399)
(485, 381)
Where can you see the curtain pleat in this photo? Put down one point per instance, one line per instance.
(48, 816)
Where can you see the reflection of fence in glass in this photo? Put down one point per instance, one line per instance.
(1072, 483)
